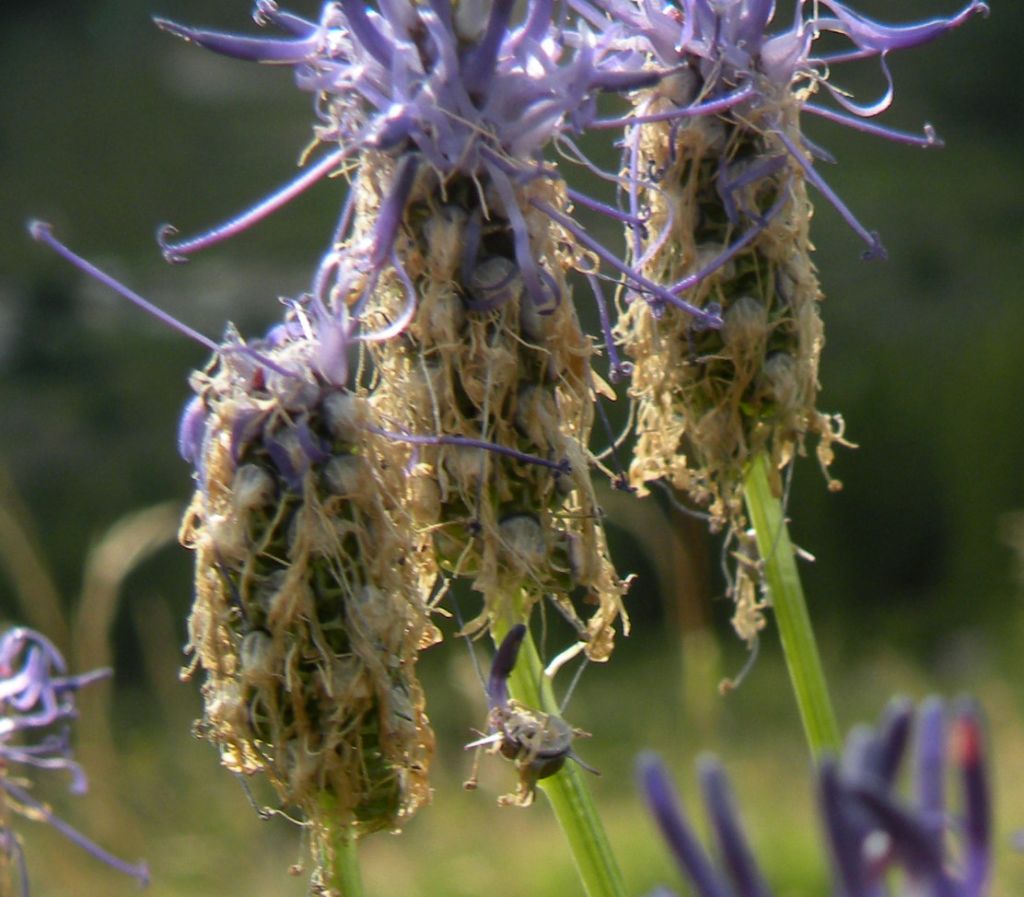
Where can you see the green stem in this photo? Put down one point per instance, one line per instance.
(566, 790)
(787, 599)
(340, 872)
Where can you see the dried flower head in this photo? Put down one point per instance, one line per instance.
(496, 395)
(309, 611)
(308, 615)
(871, 831)
(717, 165)
(452, 252)
(36, 708)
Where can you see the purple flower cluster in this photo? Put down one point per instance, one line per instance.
(871, 831)
(722, 56)
(443, 91)
(455, 83)
(36, 704)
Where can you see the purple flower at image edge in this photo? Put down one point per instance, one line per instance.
(871, 831)
(36, 708)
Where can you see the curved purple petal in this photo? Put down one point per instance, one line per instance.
(503, 664)
(250, 49)
(870, 35)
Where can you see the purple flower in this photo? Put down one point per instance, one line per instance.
(442, 94)
(36, 704)
(723, 56)
(870, 829)
(741, 875)
(463, 88)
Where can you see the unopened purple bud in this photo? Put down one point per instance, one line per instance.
(495, 282)
(288, 457)
(503, 664)
(245, 427)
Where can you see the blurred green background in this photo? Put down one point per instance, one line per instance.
(108, 128)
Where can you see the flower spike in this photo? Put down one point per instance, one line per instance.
(715, 157)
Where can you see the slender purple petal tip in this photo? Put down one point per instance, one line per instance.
(658, 791)
(40, 230)
(182, 31)
(876, 251)
(652, 777)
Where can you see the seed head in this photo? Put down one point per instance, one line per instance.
(309, 614)
(717, 167)
(309, 611)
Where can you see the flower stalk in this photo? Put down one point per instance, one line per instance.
(786, 596)
(338, 869)
(567, 791)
